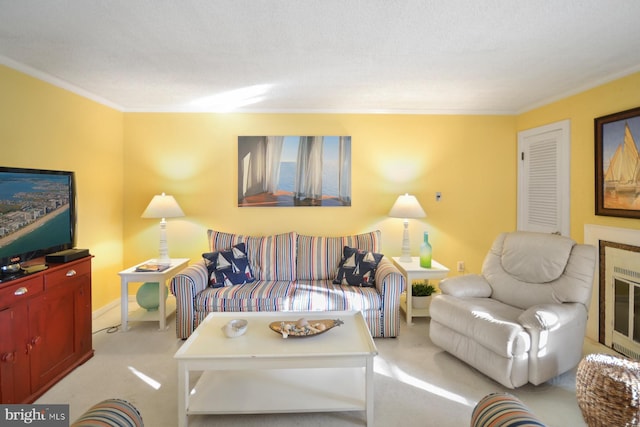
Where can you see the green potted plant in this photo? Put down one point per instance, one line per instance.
(421, 294)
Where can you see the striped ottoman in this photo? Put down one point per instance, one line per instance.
(503, 410)
(110, 413)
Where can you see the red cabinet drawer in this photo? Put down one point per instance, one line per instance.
(13, 293)
(67, 272)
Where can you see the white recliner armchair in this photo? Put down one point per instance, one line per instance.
(524, 318)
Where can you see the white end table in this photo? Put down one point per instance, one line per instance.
(412, 271)
(162, 277)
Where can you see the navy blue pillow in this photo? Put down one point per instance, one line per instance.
(228, 267)
(357, 268)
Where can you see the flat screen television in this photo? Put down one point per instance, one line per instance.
(37, 214)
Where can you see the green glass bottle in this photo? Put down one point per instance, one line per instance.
(425, 252)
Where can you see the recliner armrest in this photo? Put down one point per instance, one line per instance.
(470, 285)
(546, 317)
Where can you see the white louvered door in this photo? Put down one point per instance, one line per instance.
(544, 178)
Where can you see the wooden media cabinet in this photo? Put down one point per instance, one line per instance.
(45, 329)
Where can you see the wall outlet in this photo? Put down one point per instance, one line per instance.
(460, 266)
(438, 196)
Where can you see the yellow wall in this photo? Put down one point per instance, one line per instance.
(123, 159)
(45, 127)
(470, 159)
(582, 109)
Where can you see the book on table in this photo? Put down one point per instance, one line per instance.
(151, 268)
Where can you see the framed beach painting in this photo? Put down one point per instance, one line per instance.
(617, 164)
(276, 171)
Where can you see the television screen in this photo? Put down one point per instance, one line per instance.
(37, 213)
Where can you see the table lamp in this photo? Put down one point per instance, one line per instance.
(405, 207)
(163, 206)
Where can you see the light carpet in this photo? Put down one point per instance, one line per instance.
(415, 384)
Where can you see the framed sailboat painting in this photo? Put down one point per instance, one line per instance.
(617, 164)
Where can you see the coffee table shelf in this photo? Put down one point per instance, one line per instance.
(279, 390)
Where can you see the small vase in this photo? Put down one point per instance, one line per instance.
(425, 252)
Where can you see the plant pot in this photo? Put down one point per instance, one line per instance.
(420, 302)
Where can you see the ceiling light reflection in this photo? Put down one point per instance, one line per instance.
(232, 99)
(145, 378)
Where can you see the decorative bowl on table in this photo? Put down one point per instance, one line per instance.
(303, 327)
(235, 328)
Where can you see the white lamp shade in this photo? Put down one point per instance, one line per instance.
(163, 206)
(407, 206)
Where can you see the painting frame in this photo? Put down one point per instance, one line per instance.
(617, 184)
(294, 171)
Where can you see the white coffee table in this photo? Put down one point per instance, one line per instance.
(260, 372)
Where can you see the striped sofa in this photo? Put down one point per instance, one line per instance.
(110, 413)
(294, 272)
(503, 410)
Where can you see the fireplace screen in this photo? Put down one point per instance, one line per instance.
(627, 309)
(622, 297)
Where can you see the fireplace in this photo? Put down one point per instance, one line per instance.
(620, 282)
(617, 287)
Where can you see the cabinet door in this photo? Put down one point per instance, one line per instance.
(84, 344)
(52, 344)
(14, 363)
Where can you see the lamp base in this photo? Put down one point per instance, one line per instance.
(164, 259)
(406, 247)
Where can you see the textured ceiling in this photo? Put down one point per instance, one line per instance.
(411, 56)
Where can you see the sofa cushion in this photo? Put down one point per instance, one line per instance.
(261, 295)
(358, 267)
(492, 324)
(318, 256)
(323, 295)
(271, 258)
(229, 267)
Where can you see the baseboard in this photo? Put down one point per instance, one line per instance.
(102, 310)
(113, 304)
